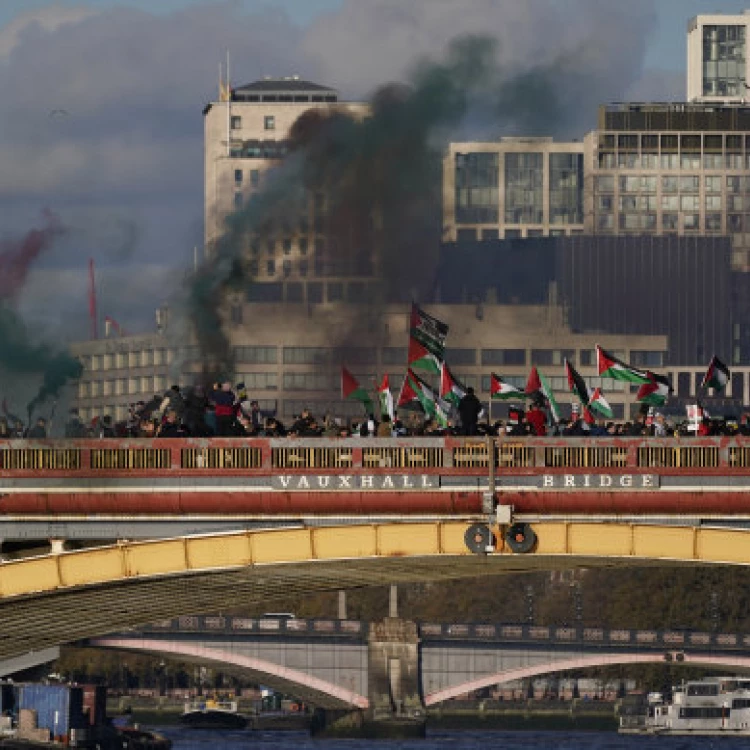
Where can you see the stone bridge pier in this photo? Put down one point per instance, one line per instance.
(396, 707)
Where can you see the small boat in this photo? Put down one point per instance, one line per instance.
(213, 714)
(133, 738)
(713, 706)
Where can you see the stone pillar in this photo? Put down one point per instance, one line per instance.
(342, 605)
(56, 546)
(393, 676)
(393, 602)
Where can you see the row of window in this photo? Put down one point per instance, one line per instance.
(269, 122)
(310, 355)
(670, 222)
(137, 358)
(653, 142)
(672, 184)
(686, 161)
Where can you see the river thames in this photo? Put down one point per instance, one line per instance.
(187, 739)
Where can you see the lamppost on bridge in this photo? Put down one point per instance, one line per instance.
(529, 604)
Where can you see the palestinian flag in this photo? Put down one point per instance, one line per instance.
(407, 394)
(426, 340)
(386, 398)
(350, 388)
(611, 367)
(579, 388)
(717, 375)
(600, 404)
(421, 358)
(499, 389)
(537, 383)
(656, 391)
(451, 389)
(433, 406)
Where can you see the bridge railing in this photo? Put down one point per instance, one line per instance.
(372, 455)
(583, 635)
(522, 633)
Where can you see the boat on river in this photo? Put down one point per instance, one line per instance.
(713, 706)
(213, 714)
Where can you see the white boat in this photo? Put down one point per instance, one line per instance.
(712, 706)
(213, 714)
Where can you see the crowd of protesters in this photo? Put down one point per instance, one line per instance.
(224, 411)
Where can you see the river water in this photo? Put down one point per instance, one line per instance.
(199, 739)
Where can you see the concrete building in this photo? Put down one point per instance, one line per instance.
(294, 360)
(246, 133)
(670, 169)
(717, 60)
(512, 188)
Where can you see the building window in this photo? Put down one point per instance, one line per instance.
(552, 356)
(314, 288)
(723, 60)
(236, 122)
(713, 222)
(566, 188)
(259, 381)
(303, 245)
(503, 356)
(254, 178)
(306, 355)
(271, 267)
(256, 355)
(308, 381)
(335, 291)
(287, 268)
(269, 122)
(237, 201)
(524, 179)
(287, 246)
(237, 176)
(477, 188)
(669, 222)
(461, 356)
(271, 246)
(645, 358)
(303, 267)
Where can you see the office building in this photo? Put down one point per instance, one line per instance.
(512, 188)
(717, 59)
(246, 134)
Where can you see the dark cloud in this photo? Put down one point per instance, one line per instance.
(128, 152)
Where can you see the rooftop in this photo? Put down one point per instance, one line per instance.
(287, 89)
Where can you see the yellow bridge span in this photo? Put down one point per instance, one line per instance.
(60, 598)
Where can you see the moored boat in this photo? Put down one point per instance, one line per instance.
(712, 706)
(213, 714)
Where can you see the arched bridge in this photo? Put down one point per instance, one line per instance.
(59, 598)
(328, 662)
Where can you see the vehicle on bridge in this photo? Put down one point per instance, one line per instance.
(712, 706)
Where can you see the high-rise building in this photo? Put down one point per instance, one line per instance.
(512, 188)
(246, 133)
(717, 59)
(670, 169)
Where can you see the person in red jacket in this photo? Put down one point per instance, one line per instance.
(536, 417)
(225, 409)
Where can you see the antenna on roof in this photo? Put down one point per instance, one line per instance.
(229, 108)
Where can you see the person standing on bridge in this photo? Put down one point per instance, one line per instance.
(469, 408)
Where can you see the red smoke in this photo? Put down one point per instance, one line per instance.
(17, 256)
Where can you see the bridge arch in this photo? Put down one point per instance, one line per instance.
(312, 689)
(735, 663)
(59, 598)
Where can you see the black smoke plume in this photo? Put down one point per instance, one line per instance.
(381, 178)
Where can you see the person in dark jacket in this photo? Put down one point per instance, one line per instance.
(172, 427)
(39, 430)
(469, 408)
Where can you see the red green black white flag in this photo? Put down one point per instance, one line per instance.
(656, 391)
(717, 375)
(600, 404)
(426, 340)
(610, 367)
(451, 389)
(537, 383)
(579, 388)
(499, 389)
(386, 398)
(350, 388)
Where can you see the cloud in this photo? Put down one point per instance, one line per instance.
(128, 150)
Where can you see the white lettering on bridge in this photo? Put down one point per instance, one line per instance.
(338, 482)
(600, 481)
